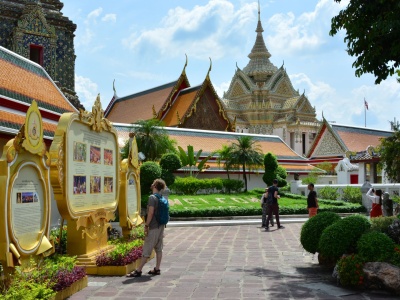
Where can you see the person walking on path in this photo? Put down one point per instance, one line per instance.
(264, 207)
(312, 201)
(274, 207)
(153, 231)
(376, 198)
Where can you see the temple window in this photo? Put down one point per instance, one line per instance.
(36, 54)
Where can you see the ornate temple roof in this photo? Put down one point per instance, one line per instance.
(139, 106)
(22, 81)
(259, 66)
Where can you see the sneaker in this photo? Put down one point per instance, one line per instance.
(266, 228)
(263, 225)
(272, 224)
(280, 227)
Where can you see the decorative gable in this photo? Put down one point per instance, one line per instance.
(237, 90)
(328, 145)
(284, 89)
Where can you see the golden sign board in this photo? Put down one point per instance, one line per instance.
(85, 164)
(85, 177)
(129, 203)
(25, 193)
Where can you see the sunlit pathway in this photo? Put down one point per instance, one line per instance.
(229, 262)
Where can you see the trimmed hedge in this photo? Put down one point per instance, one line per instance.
(341, 237)
(375, 246)
(313, 228)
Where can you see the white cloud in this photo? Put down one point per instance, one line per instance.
(308, 31)
(110, 18)
(202, 32)
(93, 15)
(87, 91)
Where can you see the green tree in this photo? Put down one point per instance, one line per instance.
(281, 175)
(246, 152)
(169, 163)
(149, 171)
(152, 139)
(224, 156)
(372, 36)
(390, 154)
(191, 160)
(271, 165)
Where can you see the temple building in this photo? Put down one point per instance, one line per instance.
(21, 82)
(177, 104)
(38, 31)
(263, 100)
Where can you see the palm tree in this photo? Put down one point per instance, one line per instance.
(152, 139)
(224, 155)
(246, 152)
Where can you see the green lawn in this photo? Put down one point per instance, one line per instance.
(247, 204)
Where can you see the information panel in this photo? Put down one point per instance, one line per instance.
(92, 173)
(27, 206)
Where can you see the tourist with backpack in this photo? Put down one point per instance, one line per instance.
(156, 220)
(272, 202)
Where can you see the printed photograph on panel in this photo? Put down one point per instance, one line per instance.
(95, 184)
(79, 152)
(79, 184)
(108, 157)
(27, 197)
(19, 200)
(108, 185)
(35, 197)
(95, 155)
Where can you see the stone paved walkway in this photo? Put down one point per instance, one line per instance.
(229, 262)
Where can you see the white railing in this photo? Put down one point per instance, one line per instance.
(301, 189)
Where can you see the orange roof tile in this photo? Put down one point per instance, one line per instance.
(22, 80)
(357, 138)
(180, 106)
(15, 121)
(139, 106)
(209, 141)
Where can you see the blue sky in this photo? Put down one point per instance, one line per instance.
(142, 44)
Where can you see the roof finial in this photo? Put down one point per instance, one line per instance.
(259, 10)
(184, 68)
(209, 70)
(115, 92)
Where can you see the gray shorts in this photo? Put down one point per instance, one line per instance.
(153, 240)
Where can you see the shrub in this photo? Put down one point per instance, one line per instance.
(381, 224)
(352, 194)
(313, 228)
(170, 162)
(168, 177)
(59, 244)
(394, 231)
(396, 256)
(350, 269)
(232, 185)
(328, 192)
(341, 237)
(123, 254)
(375, 246)
(149, 171)
(187, 185)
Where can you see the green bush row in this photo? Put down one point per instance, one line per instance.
(254, 211)
(191, 185)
